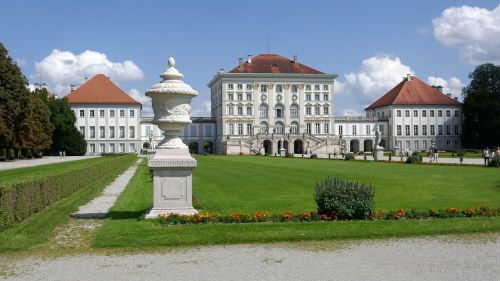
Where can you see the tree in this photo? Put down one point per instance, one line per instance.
(66, 136)
(481, 108)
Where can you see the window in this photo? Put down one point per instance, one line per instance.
(308, 128)
(111, 132)
(408, 144)
(122, 132)
(325, 110)
(91, 113)
(316, 97)
(82, 131)
(456, 113)
(433, 132)
(415, 145)
(82, 113)
(424, 144)
(249, 129)
(101, 113)
(263, 88)
(317, 128)
(249, 86)
(279, 88)
(92, 148)
(101, 148)
(249, 96)
(111, 113)
(112, 147)
(263, 127)
(341, 130)
(308, 87)
(92, 132)
(240, 129)
(132, 113)
(131, 132)
(263, 111)
(326, 128)
(294, 111)
(415, 130)
(317, 110)
(280, 111)
(240, 110)
(440, 113)
(325, 87)
(308, 110)
(308, 97)
(294, 129)
(354, 130)
(424, 113)
(415, 113)
(230, 97)
(279, 128)
(398, 113)
(456, 130)
(381, 128)
(240, 87)
(122, 113)
(440, 130)
(448, 113)
(407, 130)
(230, 110)
(368, 130)
(102, 132)
(231, 129)
(249, 110)
(448, 130)
(325, 97)
(431, 113)
(316, 87)
(424, 130)
(240, 97)
(294, 89)
(230, 86)
(398, 130)
(131, 147)
(122, 148)
(407, 113)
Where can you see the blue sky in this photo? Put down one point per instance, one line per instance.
(369, 44)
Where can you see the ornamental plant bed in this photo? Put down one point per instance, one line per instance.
(257, 217)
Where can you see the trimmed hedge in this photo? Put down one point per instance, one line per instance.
(19, 200)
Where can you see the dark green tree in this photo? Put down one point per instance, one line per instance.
(66, 136)
(481, 108)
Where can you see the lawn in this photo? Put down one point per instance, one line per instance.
(245, 184)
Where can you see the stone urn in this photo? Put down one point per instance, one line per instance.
(172, 164)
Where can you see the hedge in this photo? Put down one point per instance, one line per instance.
(19, 200)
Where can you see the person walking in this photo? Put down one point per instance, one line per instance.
(486, 156)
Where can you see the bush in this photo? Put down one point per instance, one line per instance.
(414, 158)
(350, 156)
(342, 199)
(19, 200)
(313, 156)
(495, 161)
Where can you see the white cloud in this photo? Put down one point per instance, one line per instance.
(60, 69)
(452, 85)
(202, 110)
(375, 77)
(422, 30)
(474, 31)
(147, 109)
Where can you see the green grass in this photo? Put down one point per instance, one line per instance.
(39, 228)
(250, 185)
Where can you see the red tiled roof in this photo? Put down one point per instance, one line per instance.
(413, 92)
(270, 63)
(99, 90)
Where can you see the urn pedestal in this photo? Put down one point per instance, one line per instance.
(378, 154)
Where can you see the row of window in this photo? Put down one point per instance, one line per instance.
(111, 148)
(424, 113)
(279, 111)
(230, 96)
(111, 132)
(424, 144)
(239, 97)
(354, 129)
(279, 128)
(424, 132)
(111, 113)
(279, 87)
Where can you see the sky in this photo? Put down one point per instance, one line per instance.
(370, 45)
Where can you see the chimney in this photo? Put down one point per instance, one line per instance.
(249, 58)
(439, 88)
(72, 88)
(455, 98)
(295, 59)
(221, 70)
(240, 62)
(408, 77)
(448, 95)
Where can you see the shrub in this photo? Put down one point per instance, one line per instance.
(350, 156)
(313, 156)
(414, 158)
(495, 161)
(19, 200)
(342, 199)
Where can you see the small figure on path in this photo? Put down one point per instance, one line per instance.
(486, 156)
(60, 154)
(436, 154)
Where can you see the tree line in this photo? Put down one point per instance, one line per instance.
(32, 123)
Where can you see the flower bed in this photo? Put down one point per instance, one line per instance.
(206, 217)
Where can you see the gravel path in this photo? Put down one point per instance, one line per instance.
(7, 165)
(443, 258)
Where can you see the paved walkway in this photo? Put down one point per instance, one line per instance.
(447, 160)
(432, 258)
(6, 165)
(98, 208)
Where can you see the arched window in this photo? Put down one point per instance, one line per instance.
(294, 111)
(279, 88)
(263, 128)
(294, 129)
(263, 111)
(279, 128)
(279, 111)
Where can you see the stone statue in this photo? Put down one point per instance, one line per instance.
(376, 145)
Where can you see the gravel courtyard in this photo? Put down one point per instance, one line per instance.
(475, 257)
